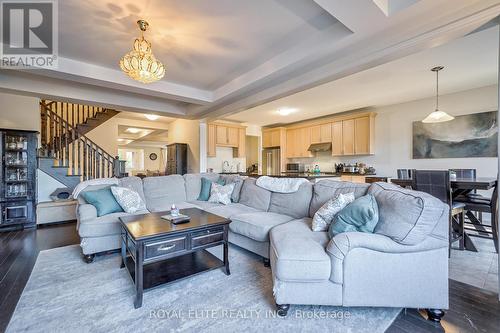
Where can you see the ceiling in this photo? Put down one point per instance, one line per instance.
(141, 116)
(140, 135)
(470, 62)
(227, 56)
(197, 39)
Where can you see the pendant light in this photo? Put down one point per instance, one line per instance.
(437, 116)
(140, 63)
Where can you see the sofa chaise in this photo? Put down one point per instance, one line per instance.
(404, 263)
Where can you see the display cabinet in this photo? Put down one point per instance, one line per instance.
(18, 178)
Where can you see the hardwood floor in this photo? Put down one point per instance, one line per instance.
(471, 309)
(18, 253)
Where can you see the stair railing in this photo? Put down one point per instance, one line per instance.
(73, 150)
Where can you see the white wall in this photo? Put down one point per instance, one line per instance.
(19, 112)
(187, 131)
(393, 135)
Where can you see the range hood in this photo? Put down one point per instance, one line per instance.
(315, 147)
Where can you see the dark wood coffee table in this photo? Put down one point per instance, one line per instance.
(156, 252)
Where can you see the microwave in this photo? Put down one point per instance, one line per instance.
(295, 167)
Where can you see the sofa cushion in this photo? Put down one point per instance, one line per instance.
(102, 226)
(257, 225)
(406, 216)
(128, 199)
(299, 252)
(254, 196)
(327, 189)
(294, 204)
(133, 183)
(204, 204)
(165, 207)
(237, 180)
(230, 210)
(164, 191)
(103, 200)
(193, 183)
(359, 216)
(324, 216)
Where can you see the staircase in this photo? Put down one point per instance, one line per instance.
(67, 154)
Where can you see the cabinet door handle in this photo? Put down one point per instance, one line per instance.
(166, 247)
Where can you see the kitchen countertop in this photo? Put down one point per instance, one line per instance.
(305, 175)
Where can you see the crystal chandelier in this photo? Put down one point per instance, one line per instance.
(140, 63)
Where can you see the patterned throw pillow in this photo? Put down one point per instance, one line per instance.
(221, 193)
(128, 199)
(324, 216)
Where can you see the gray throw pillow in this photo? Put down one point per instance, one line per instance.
(128, 199)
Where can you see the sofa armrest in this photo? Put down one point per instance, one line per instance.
(340, 246)
(85, 212)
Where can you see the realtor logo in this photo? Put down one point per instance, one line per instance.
(29, 33)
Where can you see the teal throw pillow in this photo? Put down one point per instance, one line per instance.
(360, 215)
(206, 185)
(103, 200)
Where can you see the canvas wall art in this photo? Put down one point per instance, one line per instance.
(472, 135)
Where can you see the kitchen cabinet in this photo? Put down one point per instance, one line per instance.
(353, 178)
(353, 136)
(272, 138)
(221, 138)
(226, 135)
(298, 141)
(321, 133)
(232, 136)
(241, 151)
(363, 132)
(348, 137)
(337, 138)
(291, 145)
(211, 152)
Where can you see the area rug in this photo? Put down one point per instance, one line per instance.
(64, 294)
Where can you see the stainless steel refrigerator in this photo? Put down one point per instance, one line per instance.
(271, 161)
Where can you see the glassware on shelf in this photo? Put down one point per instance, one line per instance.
(16, 190)
(16, 174)
(16, 142)
(16, 158)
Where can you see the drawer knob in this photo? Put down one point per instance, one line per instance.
(166, 247)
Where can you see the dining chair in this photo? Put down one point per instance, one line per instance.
(468, 173)
(437, 184)
(482, 205)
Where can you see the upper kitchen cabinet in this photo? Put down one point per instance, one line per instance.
(226, 135)
(298, 141)
(355, 136)
(273, 137)
(321, 133)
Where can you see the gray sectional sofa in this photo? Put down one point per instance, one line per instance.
(403, 264)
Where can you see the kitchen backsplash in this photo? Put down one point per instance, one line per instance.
(226, 154)
(326, 161)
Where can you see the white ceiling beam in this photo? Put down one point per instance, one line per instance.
(50, 88)
(78, 71)
(357, 15)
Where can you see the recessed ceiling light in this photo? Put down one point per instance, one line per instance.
(151, 116)
(133, 130)
(286, 111)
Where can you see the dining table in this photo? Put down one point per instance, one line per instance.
(460, 186)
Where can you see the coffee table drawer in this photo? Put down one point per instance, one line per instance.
(206, 237)
(166, 246)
